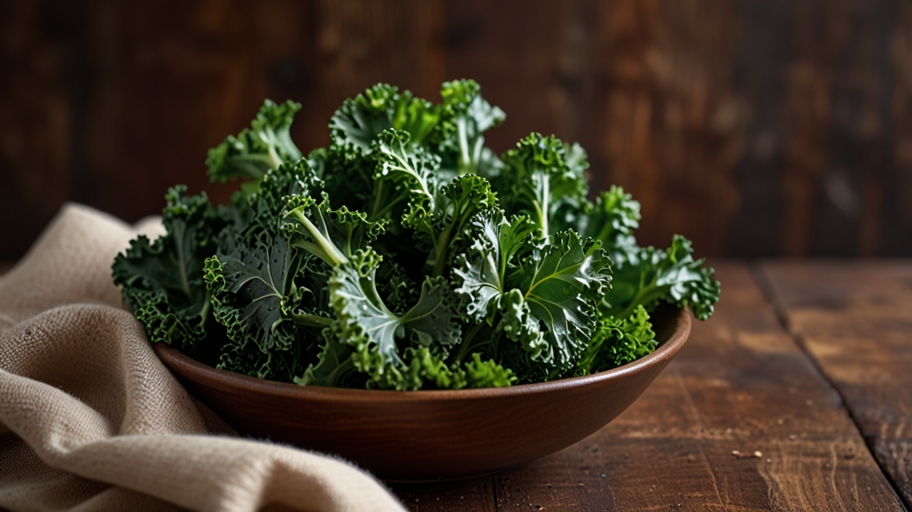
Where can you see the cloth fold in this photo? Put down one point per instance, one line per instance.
(90, 419)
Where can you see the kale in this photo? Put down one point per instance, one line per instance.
(163, 279)
(539, 180)
(265, 145)
(406, 255)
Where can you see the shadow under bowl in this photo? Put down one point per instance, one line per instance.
(421, 436)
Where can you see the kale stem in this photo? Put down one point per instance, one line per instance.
(542, 219)
(441, 246)
(378, 194)
(310, 320)
(333, 256)
(467, 343)
(204, 313)
(464, 159)
(342, 368)
(274, 160)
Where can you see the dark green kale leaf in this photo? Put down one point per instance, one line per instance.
(537, 181)
(398, 290)
(256, 296)
(497, 310)
(361, 119)
(464, 118)
(333, 236)
(440, 223)
(365, 322)
(562, 283)
(335, 366)
(482, 271)
(347, 165)
(544, 304)
(403, 171)
(618, 341)
(362, 319)
(611, 220)
(163, 280)
(266, 292)
(348, 179)
(653, 275)
(265, 145)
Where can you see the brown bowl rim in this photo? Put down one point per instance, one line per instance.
(215, 377)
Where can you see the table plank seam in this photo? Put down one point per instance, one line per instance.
(766, 286)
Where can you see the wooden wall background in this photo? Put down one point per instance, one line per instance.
(754, 127)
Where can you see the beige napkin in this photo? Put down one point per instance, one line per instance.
(91, 420)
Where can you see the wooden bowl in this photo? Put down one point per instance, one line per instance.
(430, 435)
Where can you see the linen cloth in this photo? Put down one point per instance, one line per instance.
(90, 419)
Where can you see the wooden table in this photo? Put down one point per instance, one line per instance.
(796, 395)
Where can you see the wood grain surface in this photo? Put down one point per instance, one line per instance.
(741, 420)
(855, 320)
(755, 127)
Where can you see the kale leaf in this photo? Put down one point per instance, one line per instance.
(537, 180)
(618, 341)
(465, 117)
(162, 279)
(265, 145)
(653, 275)
(265, 292)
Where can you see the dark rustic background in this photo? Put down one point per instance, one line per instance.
(756, 128)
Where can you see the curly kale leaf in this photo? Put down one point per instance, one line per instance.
(260, 210)
(652, 275)
(266, 292)
(562, 283)
(361, 119)
(537, 180)
(497, 309)
(441, 224)
(334, 367)
(348, 165)
(482, 271)
(487, 374)
(364, 321)
(425, 369)
(402, 172)
(163, 280)
(618, 341)
(398, 290)
(577, 161)
(464, 118)
(348, 181)
(611, 220)
(340, 238)
(545, 302)
(256, 296)
(331, 235)
(265, 145)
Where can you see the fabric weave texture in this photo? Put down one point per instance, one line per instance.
(90, 419)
